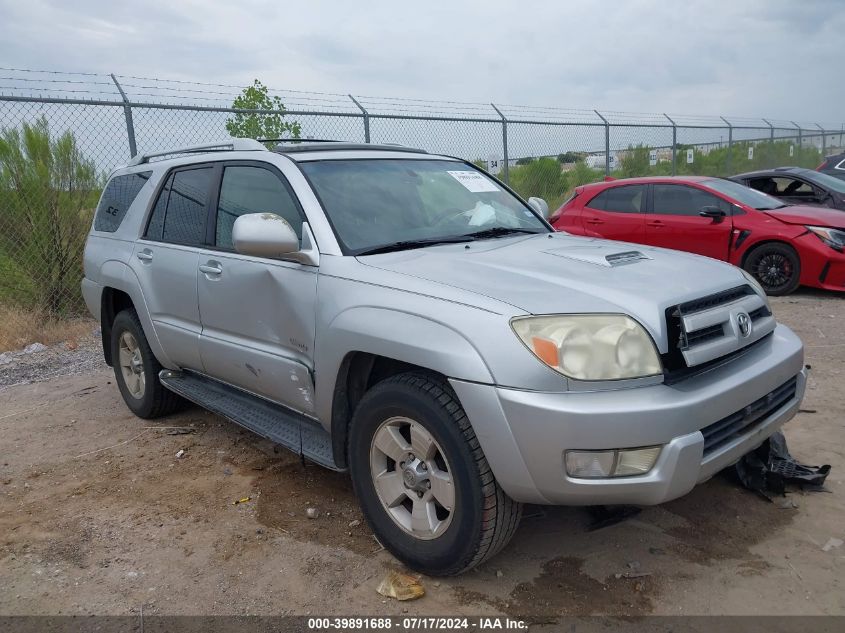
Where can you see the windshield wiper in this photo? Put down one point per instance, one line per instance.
(498, 231)
(409, 244)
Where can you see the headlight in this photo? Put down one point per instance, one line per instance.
(752, 281)
(835, 238)
(590, 346)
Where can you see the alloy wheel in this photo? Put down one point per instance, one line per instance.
(412, 478)
(132, 365)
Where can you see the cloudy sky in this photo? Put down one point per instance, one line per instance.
(775, 58)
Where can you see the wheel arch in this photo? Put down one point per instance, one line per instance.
(750, 248)
(365, 345)
(121, 290)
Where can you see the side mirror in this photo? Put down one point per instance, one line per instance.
(714, 213)
(540, 206)
(264, 235)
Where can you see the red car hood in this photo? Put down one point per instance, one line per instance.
(817, 216)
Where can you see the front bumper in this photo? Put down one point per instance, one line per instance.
(524, 434)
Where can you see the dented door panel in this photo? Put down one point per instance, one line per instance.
(258, 325)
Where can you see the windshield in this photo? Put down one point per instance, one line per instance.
(744, 195)
(374, 203)
(823, 180)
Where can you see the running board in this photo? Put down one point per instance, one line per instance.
(292, 430)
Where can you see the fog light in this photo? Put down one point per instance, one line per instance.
(625, 462)
(590, 463)
(636, 461)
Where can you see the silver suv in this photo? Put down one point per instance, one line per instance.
(408, 318)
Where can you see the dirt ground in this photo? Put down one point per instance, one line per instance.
(99, 516)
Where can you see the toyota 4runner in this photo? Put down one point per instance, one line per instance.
(408, 318)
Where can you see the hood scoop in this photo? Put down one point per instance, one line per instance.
(595, 256)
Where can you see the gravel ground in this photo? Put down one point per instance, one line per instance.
(98, 515)
(37, 362)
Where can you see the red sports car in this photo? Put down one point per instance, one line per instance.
(782, 246)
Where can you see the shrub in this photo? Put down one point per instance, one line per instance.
(48, 191)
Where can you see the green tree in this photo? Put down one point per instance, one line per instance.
(635, 161)
(541, 177)
(48, 191)
(259, 125)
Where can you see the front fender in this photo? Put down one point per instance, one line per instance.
(396, 334)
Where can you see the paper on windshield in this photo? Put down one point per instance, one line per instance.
(474, 181)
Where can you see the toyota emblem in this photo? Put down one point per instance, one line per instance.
(743, 321)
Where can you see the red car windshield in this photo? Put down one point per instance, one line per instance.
(744, 195)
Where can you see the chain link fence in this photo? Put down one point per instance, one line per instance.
(61, 133)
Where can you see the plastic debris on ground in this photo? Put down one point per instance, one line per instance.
(241, 500)
(400, 586)
(832, 543)
(770, 468)
(605, 516)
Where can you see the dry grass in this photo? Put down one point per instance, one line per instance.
(19, 327)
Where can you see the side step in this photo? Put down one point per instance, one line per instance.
(292, 430)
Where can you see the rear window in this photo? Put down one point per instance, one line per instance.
(622, 199)
(118, 196)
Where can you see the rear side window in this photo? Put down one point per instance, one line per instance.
(626, 199)
(118, 196)
(180, 212)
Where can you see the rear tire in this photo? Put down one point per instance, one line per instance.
(136, 370)
(433, 527)
(776, 266)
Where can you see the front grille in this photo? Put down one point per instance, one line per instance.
(704, 330)
(746, 419)
(720, 298)
(705, 334)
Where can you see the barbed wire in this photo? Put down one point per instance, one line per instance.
(57, 83)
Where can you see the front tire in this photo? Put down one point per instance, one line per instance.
(136, 370)
(776, 266)
(422, 480)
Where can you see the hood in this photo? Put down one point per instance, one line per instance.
(559, 273)
(817, 216)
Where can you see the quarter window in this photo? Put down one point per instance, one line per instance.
(683, 200)
(626, 199)
(118, 196)
(252, 190)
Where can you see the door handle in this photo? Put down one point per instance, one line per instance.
(145, 255)
(656, 223)
(594, 221)
(211, 268)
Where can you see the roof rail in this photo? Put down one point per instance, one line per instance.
(328, 146)
(234, 145)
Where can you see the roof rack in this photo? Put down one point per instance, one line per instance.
(234, 145)
(290, 146)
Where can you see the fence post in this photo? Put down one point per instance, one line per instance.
(366, 119)
(800, 138)
(606, 143)
(127, 112)
(824, 140)
(730, 143)
(771, 140)
(674, 144)
(504, 141)
(771, 131)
